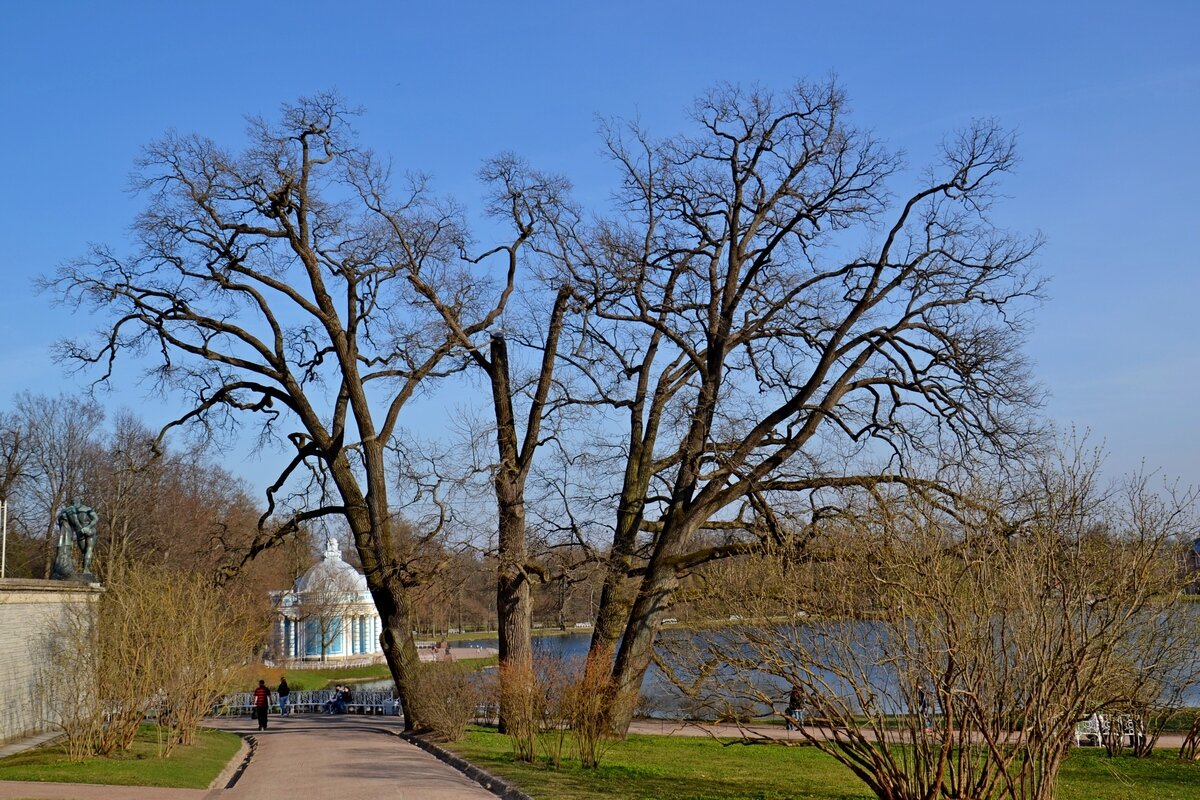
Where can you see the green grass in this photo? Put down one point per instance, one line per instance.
(328, 678)
(1090, 775)
(479, 663)
(693, 768)
(681, 768)
(191, 767)
(301, 679)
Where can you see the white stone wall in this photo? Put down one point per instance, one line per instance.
(29, 610)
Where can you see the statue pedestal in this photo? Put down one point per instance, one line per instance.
(64, 564)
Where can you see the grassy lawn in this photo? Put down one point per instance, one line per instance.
(1090, 775)
(682, 768)
(302, 679)
(691, 768)
(192, 767)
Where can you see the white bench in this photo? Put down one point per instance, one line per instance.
(310, 701)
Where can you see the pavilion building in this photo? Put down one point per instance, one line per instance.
(327, 615)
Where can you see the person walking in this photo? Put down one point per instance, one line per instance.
(283, 691)
(795, 710)
(262, 699)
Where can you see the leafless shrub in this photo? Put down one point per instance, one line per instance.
(521, 699)
(555, 682)
(586, 701)
(156, 644)
(952, 654)
(445, 699)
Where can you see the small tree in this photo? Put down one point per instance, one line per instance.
(446, 698)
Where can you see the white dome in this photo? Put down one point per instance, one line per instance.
(331, 574)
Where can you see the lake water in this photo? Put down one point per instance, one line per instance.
(661, 699)
(664, 700)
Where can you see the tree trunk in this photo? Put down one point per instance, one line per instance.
(371, 526)
(637, 645)
(513, 606)
(514, 610)
(399, 649)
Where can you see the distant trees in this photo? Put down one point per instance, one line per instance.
(59, 439)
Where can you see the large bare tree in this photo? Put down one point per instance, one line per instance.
(770, 321)
(534, 206)
(276, 284)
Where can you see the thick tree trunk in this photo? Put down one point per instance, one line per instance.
(514, 609)
(617, 592)
(616, 599)
(399, 649)
(656, 591)
(371, 526)
(637, 645)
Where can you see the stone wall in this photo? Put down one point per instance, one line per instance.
(29, 612)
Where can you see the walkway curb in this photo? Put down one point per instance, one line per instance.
(497, 786)
(236, 766)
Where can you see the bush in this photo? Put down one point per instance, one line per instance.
(587, 701)
(521, 702)
(444, 700)
(156, 644)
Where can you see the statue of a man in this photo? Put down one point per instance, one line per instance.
(81, 519)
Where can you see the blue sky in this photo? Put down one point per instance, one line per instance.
(1105, 98)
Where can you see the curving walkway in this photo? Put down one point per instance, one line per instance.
(304, 757)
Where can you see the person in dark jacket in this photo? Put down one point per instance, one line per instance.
(262, 699)
(283, 691)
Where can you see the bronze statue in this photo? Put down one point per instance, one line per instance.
(80, 520)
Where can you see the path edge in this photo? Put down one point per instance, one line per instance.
(237, 765)
(495, 785)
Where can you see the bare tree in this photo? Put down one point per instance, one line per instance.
(769, 321)
(535, 206)
(14, 453)
(61, 441)
(277, 284)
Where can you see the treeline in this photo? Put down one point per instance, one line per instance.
(178, 508)
(169, 506)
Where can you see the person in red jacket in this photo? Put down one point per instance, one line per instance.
(262, 699)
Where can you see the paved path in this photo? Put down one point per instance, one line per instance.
(306, 757)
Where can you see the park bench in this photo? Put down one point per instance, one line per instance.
(311, 701)
(1096, 728)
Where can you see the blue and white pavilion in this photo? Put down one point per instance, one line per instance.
(332, 595)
